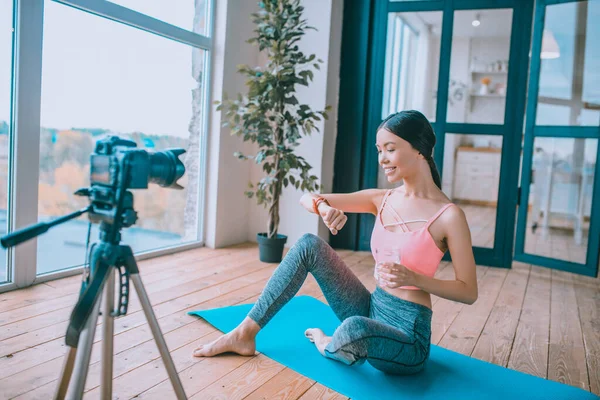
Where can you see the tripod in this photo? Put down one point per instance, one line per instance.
(115, 167)
(106, 259)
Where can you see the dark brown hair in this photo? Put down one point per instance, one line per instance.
(414, 127)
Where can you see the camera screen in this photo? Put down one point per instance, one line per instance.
(100, 169)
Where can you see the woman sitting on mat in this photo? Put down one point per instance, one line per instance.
(391, 327)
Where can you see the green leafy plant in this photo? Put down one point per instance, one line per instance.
(270, 114)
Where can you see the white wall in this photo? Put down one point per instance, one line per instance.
(226, 218)
(232, 218)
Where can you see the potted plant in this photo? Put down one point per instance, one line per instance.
(270, 115)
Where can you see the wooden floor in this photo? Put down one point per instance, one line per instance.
(528, 318)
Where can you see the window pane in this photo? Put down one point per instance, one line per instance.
(591, 67)
(103, 78)
(560, 198)
(6, 28)
(192, 15)
(411, 63)
(471, 178)
(570, 66)
(479, 66)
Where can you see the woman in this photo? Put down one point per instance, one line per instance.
(391, 327)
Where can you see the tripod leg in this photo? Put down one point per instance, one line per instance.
(67, 370)
(158, 337)
(107, 338)
(82, 359)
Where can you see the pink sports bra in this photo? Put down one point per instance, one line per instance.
(418, 250)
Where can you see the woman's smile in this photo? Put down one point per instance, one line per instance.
(389, 170)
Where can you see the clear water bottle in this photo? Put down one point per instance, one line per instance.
(389, 255)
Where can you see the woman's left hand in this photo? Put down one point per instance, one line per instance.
(395, 275)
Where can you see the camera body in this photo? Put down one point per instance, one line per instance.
(113, 156)
(118, 165)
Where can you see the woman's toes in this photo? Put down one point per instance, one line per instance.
(317, 336)
(309, 334)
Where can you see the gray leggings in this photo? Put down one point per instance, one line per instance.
(392, 334)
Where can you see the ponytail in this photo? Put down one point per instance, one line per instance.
(434, 172)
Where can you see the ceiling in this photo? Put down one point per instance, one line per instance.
(494, 23)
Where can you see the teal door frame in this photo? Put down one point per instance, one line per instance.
(590, 268)
(363, 61)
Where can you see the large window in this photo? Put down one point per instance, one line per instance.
(6, 33)
(411, 66)
(412, 56)
(570, 61)
(121, 68)
(103, 78)
(403, 39)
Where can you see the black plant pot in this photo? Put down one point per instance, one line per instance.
(270, 250)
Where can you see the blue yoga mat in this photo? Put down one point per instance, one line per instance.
(448, 375)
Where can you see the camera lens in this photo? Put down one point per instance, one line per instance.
(166, 168)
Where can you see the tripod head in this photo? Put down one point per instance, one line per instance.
(115, 166)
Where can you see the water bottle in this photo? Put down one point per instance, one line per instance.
(389, 255)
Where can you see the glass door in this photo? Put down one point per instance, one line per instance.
(558, 221)
(460, 63)
(477, 121)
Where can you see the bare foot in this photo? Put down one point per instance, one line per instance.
(317, 336)
(233, 342)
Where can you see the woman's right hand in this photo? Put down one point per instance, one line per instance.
(333, 218)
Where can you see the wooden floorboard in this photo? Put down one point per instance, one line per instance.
(446, 311)
(588, 301)
(496, 339)
(527, 318)
(464, 332)
(566, 354)
(529, 352)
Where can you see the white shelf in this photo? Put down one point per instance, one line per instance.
(489, 95)
(489, 72)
